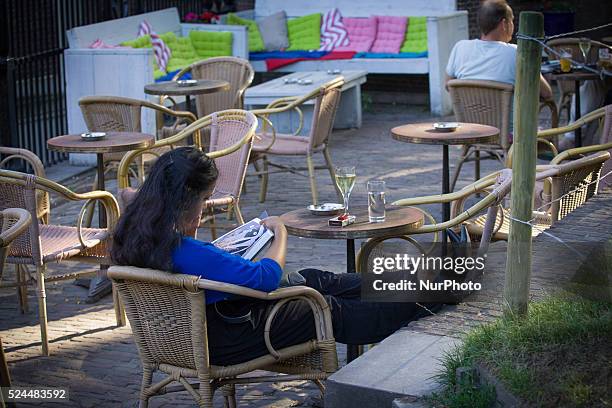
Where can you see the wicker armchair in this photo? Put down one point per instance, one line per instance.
(8, 154)
(43, 243)
(565, 187)
(237, 71)
(269, 143)
(486, 103)
(568, 88)
(496, 187)
(119, 114)
(156, 301)
(231, 134)
(13, 222)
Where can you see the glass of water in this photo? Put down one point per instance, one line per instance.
(376, 200)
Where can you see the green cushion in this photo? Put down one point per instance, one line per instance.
(304, 32)
(416, 35)
(140, 42)
(183, 53)
(168, 38)
(255, 41)
(211, 43)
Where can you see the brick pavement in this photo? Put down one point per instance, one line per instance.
(99, 362)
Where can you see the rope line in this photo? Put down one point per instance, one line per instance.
(578, 31)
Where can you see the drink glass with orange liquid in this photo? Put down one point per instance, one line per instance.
(565, 61)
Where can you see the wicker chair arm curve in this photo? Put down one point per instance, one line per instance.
(264, 127)
(322, 317)
(164, 109)
(25, 155)
(111, 218)
(579, 151)
(596, 114)
(181, 73)
(23, 219)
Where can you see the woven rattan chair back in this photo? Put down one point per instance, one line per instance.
(167, 315)
(483, 102)
(575, 184)
(26, 249)
(237, 71)
(226, 131)
(10, 155)
(111, 114)
(326, 106)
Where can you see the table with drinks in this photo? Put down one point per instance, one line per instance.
(579, 73)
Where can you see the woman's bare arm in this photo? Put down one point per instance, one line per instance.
(278, 249)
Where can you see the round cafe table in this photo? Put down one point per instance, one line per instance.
(466, 134)
(113, 142)
(172, 88)
(577, 76)
(398, 221)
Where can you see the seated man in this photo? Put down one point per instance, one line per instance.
(491, 57)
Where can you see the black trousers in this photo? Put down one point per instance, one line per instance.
(354, 321)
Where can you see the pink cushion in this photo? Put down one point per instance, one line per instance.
(390, 34)
(361, 34)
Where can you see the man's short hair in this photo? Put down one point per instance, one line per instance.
(491, 12)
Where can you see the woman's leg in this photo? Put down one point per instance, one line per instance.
(344, 285)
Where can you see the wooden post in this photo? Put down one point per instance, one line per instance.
(526, 100)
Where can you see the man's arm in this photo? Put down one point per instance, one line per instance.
(545, 89)
(448, 78)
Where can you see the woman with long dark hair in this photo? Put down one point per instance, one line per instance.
(158, 228)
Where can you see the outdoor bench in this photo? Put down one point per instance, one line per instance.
(445, 26)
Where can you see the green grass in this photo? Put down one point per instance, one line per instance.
(556, 355)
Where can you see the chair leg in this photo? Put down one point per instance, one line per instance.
(264, 181)
(239, 217)
(119, 309)
(22, 291)
(476, 165)
(230, 212)
(313, 180)
(229, 394)
(213, 225)
(464, 156)
(147, 377)
(332, 172)
(42, 309)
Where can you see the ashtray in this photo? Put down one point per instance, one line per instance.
(291, 80)
(333, 72)
(446, 126)
(91, 136)
(186, 82)
(305, 81)
(325, 209)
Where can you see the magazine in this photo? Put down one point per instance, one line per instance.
(247, 241)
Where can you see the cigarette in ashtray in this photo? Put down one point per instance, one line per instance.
(341, 220)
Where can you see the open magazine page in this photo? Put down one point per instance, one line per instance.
(247, 240)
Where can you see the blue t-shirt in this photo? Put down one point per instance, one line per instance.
(193, 257)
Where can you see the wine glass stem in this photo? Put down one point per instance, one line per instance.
(346, 201)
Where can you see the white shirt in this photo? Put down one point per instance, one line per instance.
(484, 60)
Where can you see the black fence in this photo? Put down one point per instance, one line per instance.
(32, 42)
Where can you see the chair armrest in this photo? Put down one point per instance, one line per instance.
(316, 301)
(23, 220)
(107, 199)
(578, 151)
(596, 114)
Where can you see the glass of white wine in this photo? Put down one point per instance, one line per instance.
(345, 180)
(585, 47)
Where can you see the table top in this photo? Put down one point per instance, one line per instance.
(113, 142)
(574, 76)
(467, 133)
(277, 88)
(203, 86)
(399, 220)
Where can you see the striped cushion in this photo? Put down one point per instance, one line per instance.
(160, 49)
(333, 32)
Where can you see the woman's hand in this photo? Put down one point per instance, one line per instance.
(278, 249)
(273, 223)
